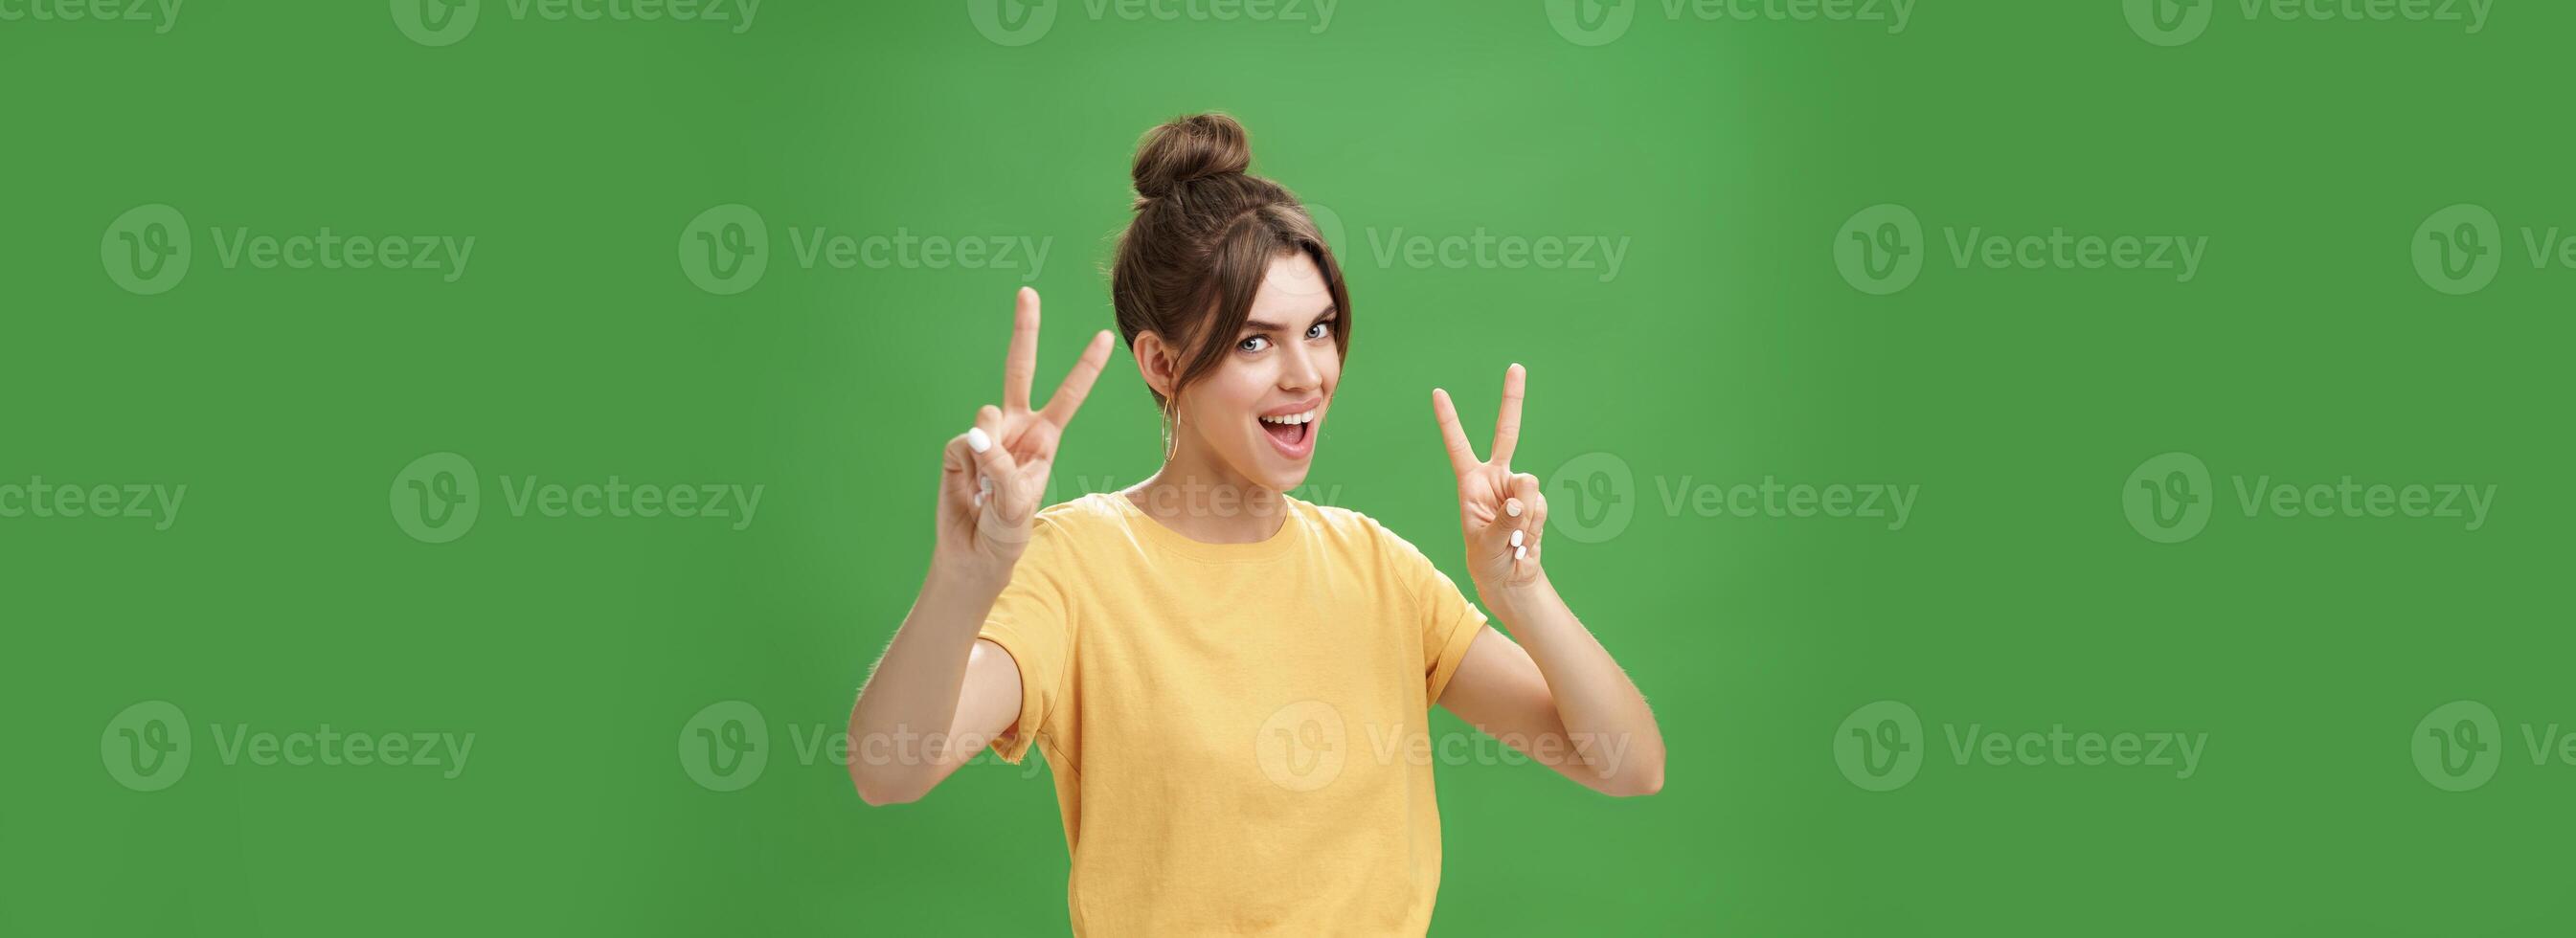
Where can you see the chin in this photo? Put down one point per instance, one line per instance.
(1283, 481)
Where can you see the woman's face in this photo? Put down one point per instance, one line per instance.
(1260, 410)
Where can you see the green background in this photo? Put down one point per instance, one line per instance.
(2016, 597)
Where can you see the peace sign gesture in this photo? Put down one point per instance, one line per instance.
(992, 476)
(1503, 515)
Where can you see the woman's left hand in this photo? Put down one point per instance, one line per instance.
(1502, 514)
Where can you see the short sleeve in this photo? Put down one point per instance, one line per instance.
(1031, 621)
(1448, 621)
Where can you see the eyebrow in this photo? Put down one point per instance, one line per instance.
(1260, 326)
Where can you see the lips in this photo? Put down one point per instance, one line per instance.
(1292, 428)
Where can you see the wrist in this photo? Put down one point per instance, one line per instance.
(1512, 602)
(970, 580)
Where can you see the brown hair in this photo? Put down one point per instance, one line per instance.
(1204, 235)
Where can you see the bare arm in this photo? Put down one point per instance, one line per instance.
(930, 706)
(1535, 707)
(1561, 699)
(939, 694)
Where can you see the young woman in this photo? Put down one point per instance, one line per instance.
(1231, 685)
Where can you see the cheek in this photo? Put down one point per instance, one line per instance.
(1226, 394)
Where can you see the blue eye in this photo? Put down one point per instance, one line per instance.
(1253, 343)
(1319, 330)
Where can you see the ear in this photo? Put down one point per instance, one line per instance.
(1155, 362)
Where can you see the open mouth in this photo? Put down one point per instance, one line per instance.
(1293, 433)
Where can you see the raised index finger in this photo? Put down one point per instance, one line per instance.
(1020, 368)
(1507, 422)
(1462, 457)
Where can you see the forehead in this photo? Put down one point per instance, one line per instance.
(1293, 291)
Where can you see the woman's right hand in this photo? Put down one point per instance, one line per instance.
(992, 476)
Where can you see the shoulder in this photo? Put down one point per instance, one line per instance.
(1089, 513)
(1063, 530)
(1351, 530)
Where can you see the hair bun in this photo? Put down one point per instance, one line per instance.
(1187, 149)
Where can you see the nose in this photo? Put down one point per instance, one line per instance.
(1298, 370)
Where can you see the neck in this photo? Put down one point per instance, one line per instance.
(1205, 500)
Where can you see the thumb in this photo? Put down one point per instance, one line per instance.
(997, 482)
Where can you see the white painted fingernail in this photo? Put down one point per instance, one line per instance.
(983, 485)
(1512, 508)
(1520, 553)
(976, 440)
(1516, 539)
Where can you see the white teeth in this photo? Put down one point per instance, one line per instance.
(1307, 417)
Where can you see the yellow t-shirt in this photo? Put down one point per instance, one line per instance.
(1239, 733)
